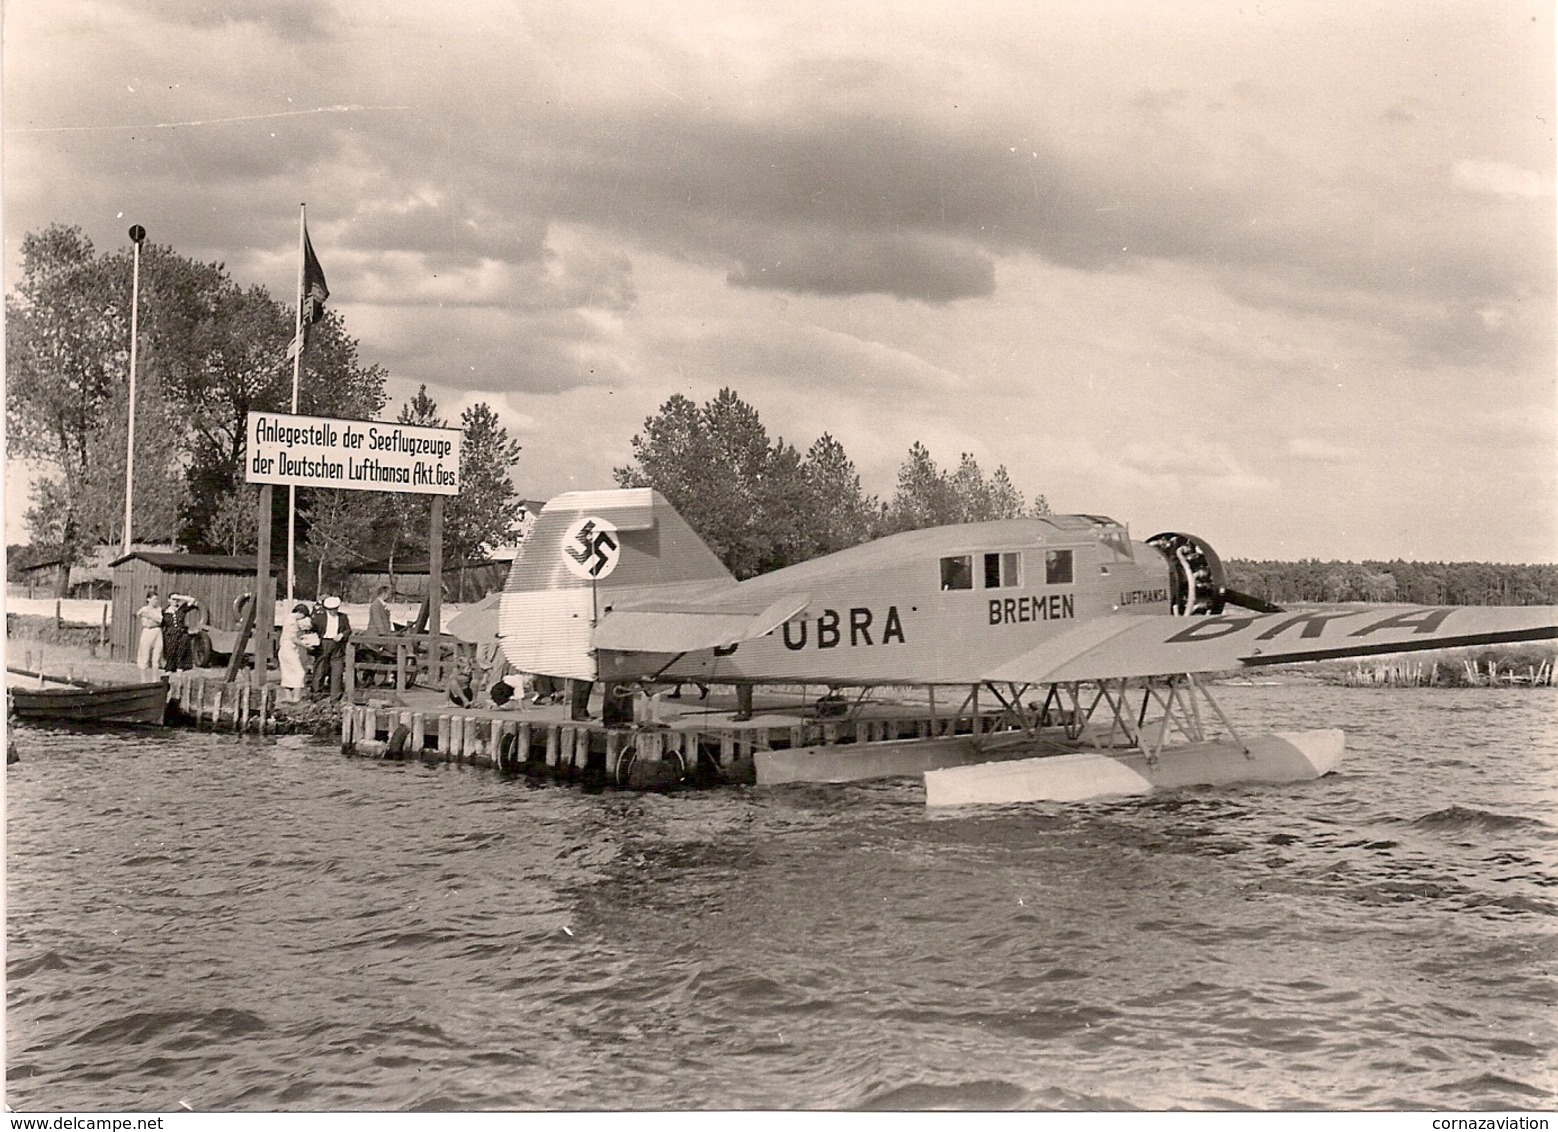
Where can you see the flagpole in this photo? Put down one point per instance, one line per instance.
(137, 234)
(297, 364)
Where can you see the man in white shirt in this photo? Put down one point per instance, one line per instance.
(334, 631)
(148, 653)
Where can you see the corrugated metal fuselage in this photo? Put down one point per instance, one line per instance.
(897, 627)
(943, 605)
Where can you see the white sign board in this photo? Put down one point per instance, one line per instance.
(360, 455)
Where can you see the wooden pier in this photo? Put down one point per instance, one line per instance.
(708, 742)
(706, 745)
(215, 704)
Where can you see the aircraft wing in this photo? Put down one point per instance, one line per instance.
(1138, 645)
(675, 627)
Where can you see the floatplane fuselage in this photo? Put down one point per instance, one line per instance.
(1063, 618)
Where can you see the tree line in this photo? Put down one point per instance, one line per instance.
(209, 350)
(761, 503)
(1416, 583)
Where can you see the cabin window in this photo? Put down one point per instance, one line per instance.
(1057, 567)
(957, 572)
(1003, 571)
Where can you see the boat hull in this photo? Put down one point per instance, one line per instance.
(117, 703)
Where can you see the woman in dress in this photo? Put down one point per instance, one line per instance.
(289, 652)
(175, 636)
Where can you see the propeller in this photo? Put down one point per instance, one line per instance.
(1196, 577)
(1250, 602)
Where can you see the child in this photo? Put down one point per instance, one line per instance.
(461, 688)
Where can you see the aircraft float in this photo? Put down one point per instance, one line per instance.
(1090, 641)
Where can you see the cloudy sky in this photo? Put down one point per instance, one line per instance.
(1277, 273)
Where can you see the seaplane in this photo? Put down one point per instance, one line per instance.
(1097, 650)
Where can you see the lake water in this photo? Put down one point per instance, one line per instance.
(232, 924)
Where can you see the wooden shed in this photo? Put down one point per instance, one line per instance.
(45, 578)
(215, 581)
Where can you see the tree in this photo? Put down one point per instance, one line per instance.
(339, 523)
(160, 489)
(928, 497)
(970, 494)
(485, 511)
(421, 410)
(483, 514)
(708, 462)
(923, 497)
(67, 352)
(231, 358)
(1006, 501)
(838, 514)
(209, 351)
(404, 520)
(232, 527)
(757, 503)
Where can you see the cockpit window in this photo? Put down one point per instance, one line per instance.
(957, 572)
(1120, 543)
(1057, 568)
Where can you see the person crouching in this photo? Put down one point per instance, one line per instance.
(461, 685)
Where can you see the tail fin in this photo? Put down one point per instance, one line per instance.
(589, 549)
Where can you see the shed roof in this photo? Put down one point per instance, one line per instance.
(211, 563)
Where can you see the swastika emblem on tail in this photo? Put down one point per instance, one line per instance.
(591, 548)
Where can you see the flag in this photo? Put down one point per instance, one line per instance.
(312, 300)
(314, 290)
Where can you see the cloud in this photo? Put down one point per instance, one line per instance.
(1500, 179)
(494, 349)
(577, 280)
(445, 228)
(842, 263)
(1186, 243)
(292, 21)
(1316, 449)
(799, 357)
(1206, 466)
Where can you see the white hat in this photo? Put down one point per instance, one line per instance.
(332, 602)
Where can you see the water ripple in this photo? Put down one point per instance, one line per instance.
(218, 923)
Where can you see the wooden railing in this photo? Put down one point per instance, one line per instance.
(424, 657)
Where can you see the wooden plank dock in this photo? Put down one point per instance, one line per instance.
(708, 743)
(702, 740)
(213, 703)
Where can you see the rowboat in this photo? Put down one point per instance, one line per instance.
(79, 702)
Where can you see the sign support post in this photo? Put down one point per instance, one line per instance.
(435, 587)
(264, 611)
(297, 366)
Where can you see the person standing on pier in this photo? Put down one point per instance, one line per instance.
(175, 633)
(148, 653)
(297, 635)
(334, 631)
(379, 623)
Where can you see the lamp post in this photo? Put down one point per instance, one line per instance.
(137, 236)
